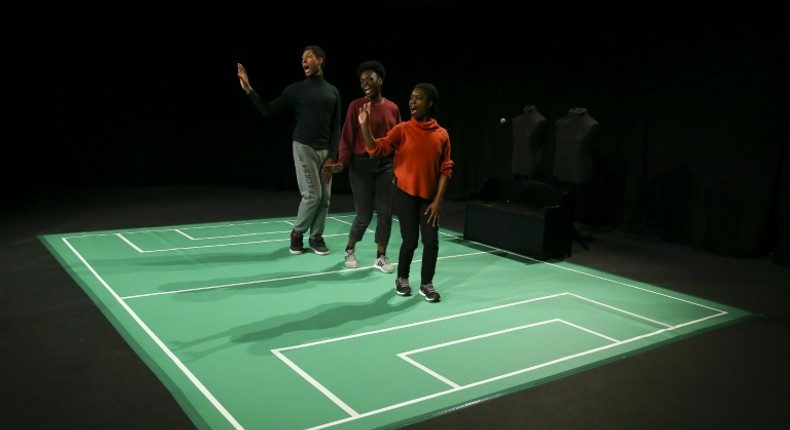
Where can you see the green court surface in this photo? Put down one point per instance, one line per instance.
(246, 335)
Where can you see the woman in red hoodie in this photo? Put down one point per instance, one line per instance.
(422, 168)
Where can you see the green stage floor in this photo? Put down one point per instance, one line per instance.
(246, 335)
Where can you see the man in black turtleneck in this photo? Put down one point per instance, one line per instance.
(317, 106)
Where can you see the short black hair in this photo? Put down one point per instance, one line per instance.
(371, 65)
(317, 50)
(433, 95)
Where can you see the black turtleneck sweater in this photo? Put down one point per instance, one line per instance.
(316, 105)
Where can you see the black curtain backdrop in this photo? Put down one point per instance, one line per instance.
(692, 102)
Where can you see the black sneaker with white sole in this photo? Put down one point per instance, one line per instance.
(430, 294)
(297, 243)
(318, 245)
(402, 287)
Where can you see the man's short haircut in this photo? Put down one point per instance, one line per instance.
(317, 50)
(371, 65)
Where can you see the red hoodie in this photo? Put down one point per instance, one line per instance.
(422, 155)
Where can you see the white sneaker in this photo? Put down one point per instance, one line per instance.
(351, 259)
(383, 264)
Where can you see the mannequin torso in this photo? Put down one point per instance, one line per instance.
(573, 153)
(528, 132)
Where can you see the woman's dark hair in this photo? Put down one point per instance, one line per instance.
(433, 95)
(371, 65)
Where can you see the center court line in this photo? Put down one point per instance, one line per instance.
(283, 278)
(453, 235)
(221, 245)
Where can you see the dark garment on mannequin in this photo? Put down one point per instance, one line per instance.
(528, 132)
(573, 154)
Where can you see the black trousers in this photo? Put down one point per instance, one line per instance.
(371, 184)
(410, 211)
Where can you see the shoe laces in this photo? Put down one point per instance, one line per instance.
(428, 288)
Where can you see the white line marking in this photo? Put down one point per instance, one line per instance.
(195, 381)
(353, 414)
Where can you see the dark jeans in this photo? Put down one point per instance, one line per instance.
(371, 183)
(410, 211)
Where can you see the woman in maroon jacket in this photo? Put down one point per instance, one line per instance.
(370, 177)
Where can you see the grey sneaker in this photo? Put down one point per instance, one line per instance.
(402, 287)
(430, 294)
(383, 264)
(318, 245)
(351, 259)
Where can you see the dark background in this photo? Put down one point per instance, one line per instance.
(129, 115)
(692, 100)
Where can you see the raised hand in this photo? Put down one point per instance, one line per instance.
(364, 114)
(244, 80)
